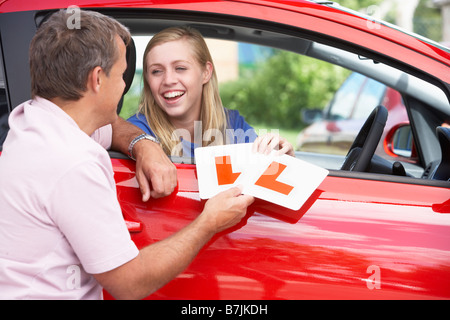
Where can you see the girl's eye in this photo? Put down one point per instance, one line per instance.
(181, 68)
(155, 72)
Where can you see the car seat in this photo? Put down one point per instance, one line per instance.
(128, 76)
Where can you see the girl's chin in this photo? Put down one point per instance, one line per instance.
(175, 112)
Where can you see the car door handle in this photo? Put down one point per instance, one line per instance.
(133, 226)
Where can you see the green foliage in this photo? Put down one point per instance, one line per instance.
(131, 99)
(428, 21)
(129, 106)
(275, 92)
(358, 4)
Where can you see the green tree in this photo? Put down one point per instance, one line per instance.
(276, 91)
(358, 4)
(428, 21)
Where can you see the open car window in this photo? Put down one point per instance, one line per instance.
(272, 78)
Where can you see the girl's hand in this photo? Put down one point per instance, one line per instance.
(270, 141)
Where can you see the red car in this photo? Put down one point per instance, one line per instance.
(374, 228)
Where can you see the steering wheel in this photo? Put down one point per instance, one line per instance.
(363, 148)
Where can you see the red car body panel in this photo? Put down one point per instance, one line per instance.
(354, 238)
(328, 249)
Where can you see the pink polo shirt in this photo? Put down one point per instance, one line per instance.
(60, 220)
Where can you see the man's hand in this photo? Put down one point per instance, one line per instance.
(226, 209)
(155, 173)
(160, 262)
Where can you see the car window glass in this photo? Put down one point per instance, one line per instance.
(402, 141)
(343, 103)
(370, 96)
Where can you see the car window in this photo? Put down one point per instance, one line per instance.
(343, 103)
(371, 95)
(269, 87)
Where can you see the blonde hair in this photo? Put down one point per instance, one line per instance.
(213, 115)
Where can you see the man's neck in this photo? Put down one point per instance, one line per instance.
(78, 111)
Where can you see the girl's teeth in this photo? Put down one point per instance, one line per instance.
(173, 94)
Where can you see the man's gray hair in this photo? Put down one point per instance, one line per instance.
(61, 58)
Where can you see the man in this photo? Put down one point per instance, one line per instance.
(62, 234)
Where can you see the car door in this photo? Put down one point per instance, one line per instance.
(359, 235)
(354, 238)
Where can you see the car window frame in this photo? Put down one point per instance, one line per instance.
(21, 77)
(286, 30)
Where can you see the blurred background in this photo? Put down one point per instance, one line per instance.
(429, 18)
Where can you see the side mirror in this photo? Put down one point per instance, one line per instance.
(310, 116)
(399, 142)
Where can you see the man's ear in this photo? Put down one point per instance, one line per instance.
(207, 73)
(95, 79)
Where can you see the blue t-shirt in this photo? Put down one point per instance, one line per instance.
(238, 131)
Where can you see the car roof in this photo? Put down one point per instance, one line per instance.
(270, 10)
